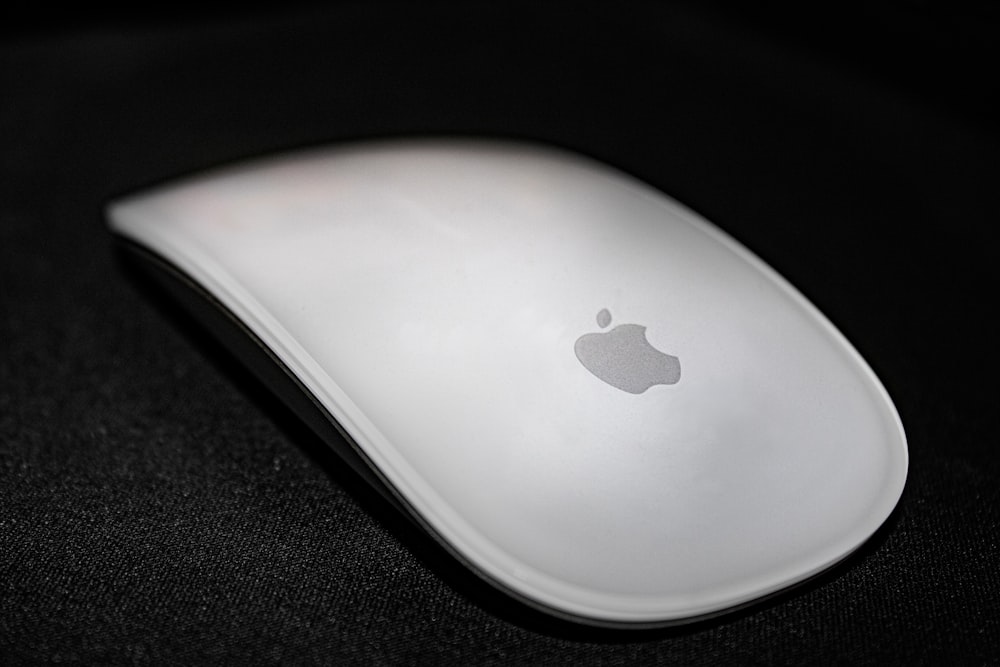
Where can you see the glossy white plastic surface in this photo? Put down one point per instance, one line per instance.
(429, 294)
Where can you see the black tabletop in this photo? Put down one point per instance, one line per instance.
(159, 505)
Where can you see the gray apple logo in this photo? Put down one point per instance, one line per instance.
(624, 358)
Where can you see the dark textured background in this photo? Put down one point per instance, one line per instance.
(157, 505)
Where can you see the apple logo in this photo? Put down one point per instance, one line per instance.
(624, 358)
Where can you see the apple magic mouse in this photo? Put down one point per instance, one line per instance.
(590, 396)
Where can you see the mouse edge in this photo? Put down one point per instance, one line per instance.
(225, 327)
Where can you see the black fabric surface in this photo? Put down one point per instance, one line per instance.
(159, 506)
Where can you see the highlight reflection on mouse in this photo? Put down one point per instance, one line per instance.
(595, 399)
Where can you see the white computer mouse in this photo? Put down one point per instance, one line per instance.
(591, 396)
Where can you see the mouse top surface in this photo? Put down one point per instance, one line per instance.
(593, 397)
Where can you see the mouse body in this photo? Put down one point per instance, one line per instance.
(588, 394)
